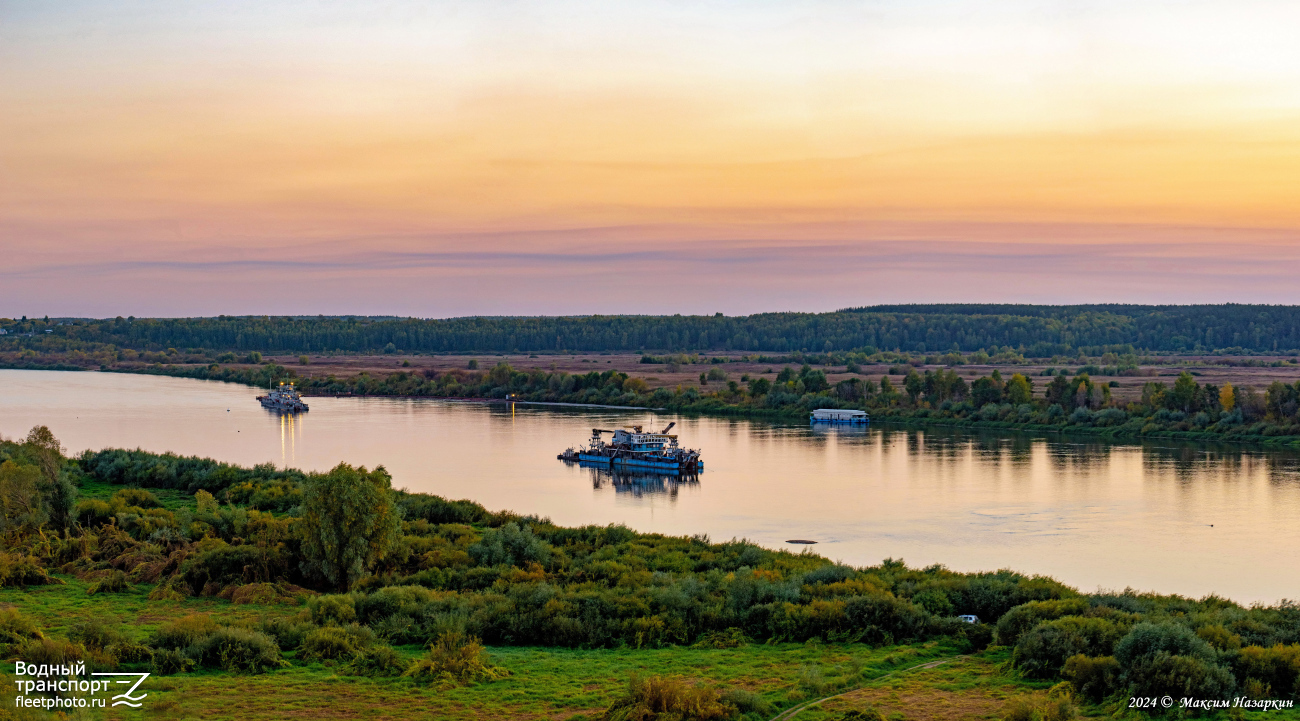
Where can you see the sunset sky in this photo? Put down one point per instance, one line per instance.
(456, 158)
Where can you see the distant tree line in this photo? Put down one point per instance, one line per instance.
(1037, 331)
(940, 396)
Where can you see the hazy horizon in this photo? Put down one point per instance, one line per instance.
(559, 158)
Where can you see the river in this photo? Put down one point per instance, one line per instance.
(1157, 516)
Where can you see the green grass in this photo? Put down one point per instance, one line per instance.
(543, 682)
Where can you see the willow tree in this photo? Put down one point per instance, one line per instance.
(349, 523)
(57, 489)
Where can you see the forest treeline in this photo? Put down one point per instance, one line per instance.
(1061, 402)
(371, 568)
(1036, 331)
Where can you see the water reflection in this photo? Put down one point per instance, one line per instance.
(290, 427)
(636, 484)
(1174, 517)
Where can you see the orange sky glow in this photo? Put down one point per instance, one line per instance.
(446, 158)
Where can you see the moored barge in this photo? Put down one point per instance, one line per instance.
(632, 448)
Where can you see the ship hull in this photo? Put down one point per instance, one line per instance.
(669, 465)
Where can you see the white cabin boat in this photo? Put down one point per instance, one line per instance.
(839, 415)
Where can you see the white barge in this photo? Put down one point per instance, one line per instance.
(838, 415)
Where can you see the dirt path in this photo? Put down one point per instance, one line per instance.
(792, 712)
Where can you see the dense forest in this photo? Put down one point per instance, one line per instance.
(1036, 331)
(372, 568)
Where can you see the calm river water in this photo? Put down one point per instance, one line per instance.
(1159, 516)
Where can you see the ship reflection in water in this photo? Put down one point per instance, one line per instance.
(636, 483)
(290, 430)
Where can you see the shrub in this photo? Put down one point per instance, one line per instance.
(94, 634)
(18, 570)
(114, 582)
(376, 661)
(222, 565)
(128, 652)
(1094, 678)
(288, 634)
(1278, 667)
(1051, 709)
(167, 661)
(457, 658)
(50, 651)
(138, 497)
(510, 545)
(329, 643)
(332, 609)
(184, 633)
(660, 697)
(746, 701)
(730, 638)
(1043, 651)
(92, 512)
(16, 629)
(1019, 620)
(1168, 659)
(238, 649)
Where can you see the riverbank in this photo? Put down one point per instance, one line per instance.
(1257, 420)
(1134, 421)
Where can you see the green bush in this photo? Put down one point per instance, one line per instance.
(167, 661)
(746, 701)
(114, 582)
(16, 629)
(237, 649)
(336, 609)
(328, 643)
(658, 697)
(184, 633)
(1168, 659)
(1019, 620)
(18, 570)
(138, 497)
(1278, 667)
(92, 513)
(1042, 652)
(1094, 678)
(50, 651)
(94, 634)
(331, 643)
(376, 661)
(130, 652)
(288, 634)
(455, 658)
(510, 545)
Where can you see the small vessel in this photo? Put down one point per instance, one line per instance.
(838, 415)
(631, 448)
(284, 399)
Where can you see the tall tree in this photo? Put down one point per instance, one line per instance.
(57, 489)
(349, 523)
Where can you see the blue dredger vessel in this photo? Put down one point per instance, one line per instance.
(632, 448)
